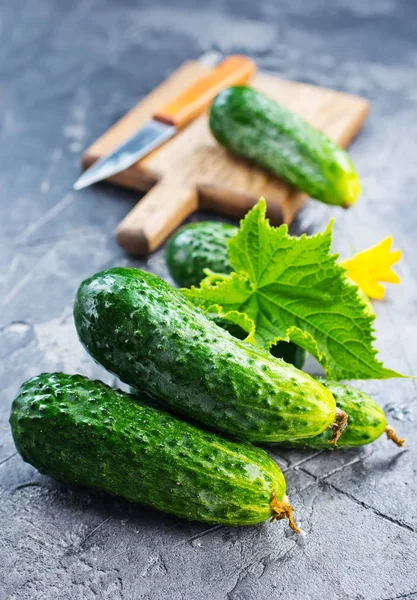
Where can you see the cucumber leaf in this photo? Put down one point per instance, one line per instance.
(292, 289)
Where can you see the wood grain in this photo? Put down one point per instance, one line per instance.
(192, 170)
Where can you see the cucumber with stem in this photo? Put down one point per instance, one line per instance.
(83, 432)
(146, 332)
(365, 418)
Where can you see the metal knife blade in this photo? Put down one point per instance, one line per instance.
(172, 117)
(149, 137)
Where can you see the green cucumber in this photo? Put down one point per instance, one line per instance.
(203, 245)
(288, 351)
(253, 125)
(83, 432)
(144, 331)
(198, 246)
(366, 421)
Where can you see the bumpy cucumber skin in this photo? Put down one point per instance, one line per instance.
(366, 420)
(203, 245)
(144, 331)
(83, 432)
(198, 246)
(252, 125)
(289, 352)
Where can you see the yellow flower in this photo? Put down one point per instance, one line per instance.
(369, 267)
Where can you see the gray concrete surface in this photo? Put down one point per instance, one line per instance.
(68, 70)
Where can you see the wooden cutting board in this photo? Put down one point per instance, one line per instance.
(191, 171)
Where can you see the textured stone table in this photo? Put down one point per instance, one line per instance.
(68, 70)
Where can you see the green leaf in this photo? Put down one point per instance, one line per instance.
(291, 288)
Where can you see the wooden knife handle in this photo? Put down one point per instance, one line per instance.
(188, 105)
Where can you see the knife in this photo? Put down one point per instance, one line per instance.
(170, 119)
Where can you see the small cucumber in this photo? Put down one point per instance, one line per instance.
(252, 125)
(83, 432)
(144, 331)
(198, 246)
(366, 421)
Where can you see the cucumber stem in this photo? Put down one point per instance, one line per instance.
(338, 426)
(282, 509)
(392, 435)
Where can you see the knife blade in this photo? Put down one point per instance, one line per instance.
(170, 119)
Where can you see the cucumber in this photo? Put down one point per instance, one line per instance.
(366, 421)
(203, 245)
(144, 331)
(252, 125)
(288, 351)
(198, 246)
(83, 432)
